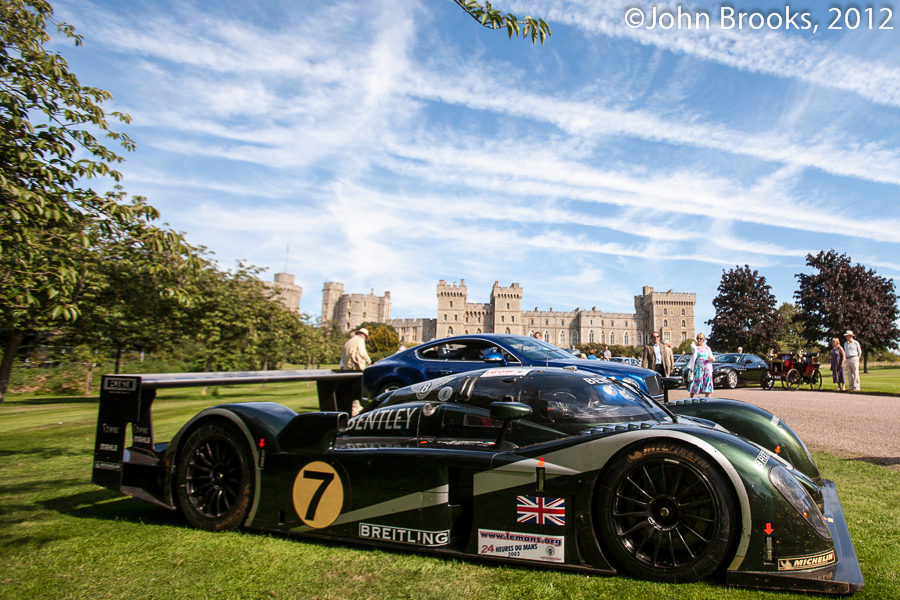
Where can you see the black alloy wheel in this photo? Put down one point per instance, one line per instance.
(766, 381)
(214, 477)
(815, 381)
(793, 380)
(731, 380)
(666, 513)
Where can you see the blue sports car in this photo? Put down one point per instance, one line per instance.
(448, 356)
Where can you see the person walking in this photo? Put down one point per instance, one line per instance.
(606, 354)
(701, 364)
(355, 358)
(852, 352)
(657, 357)
(837, 363)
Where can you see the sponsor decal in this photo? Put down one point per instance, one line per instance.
(807, 562)
(140, 439)
(525, 546)
(507, 372)
(402, 535)
(107, 465)
(762, 458)
(318, 494)
(109, 429)
(541, 511)
(424, 389)
(109, 447)
(775, 421)
(379, 420)
(141, 430)
(429, 409)
(118, 384)
(445, 394)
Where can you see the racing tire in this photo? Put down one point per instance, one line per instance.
(815, 381)
(731, 380)
(766, 381)
(793, 380)
(214, 477)
(666, 513)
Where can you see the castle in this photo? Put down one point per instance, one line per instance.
(670, 313)
(288, 293)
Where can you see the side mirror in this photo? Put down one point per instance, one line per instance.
(509, 411)
(494, 357)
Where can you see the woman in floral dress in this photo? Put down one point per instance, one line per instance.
(702, 365)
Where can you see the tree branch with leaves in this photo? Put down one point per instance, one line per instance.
(494, 19)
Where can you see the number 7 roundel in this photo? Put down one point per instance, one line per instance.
(318, 494)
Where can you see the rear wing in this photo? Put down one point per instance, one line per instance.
(128, 399)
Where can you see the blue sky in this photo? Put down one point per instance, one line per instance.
(395, 143)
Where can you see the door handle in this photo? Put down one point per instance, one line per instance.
(443, 372)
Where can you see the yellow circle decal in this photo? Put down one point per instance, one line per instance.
(318, 494)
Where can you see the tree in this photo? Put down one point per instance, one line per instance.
(745, 313)
(48, 217)
(839, 296)
(494, 19)
(789, 336)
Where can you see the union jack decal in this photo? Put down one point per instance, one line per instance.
(541, 511)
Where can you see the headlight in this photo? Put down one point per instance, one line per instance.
(797, 496)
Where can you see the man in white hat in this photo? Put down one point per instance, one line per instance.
(355, 358)
(852, 352)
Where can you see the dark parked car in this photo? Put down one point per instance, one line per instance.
(448, 356)
(732, 370)
(628, 360)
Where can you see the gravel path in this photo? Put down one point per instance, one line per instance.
(843, 423)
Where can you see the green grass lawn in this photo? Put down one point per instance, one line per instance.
(883, 380)
(63, 537)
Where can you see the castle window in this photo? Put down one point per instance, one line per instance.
(364, 304)
(466, 332)
(665, 322)
(574, 338)
(451, 304)
(639, 339)
(592, 321)
(591, 337)
(456, 317)
(507, 306)
(682, 312)
(562, 338)
(467, 318)
(449, 331)
(445, 317)
(513, 319)
(612, 323)
(502, 318)
(683, 336)
(507, 330)
(626, 339)
(612, 337)
(683, 323)
(546, 335)
(479, 319)
(666, 337)
(532, 322)
(546, 321)
(562, 323)
(479, 330)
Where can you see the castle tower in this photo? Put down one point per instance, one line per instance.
(507, 308)
(669, 313)
(288, 293)
(451, 313)
(331, 296)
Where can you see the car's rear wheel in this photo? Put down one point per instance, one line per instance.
(666, 513)
(793, 379)
(388, 387)
(214, 477)
(766, 381)
(731, 380)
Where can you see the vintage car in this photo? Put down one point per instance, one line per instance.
(537, 466)
(459, 354)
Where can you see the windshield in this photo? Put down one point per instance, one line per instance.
(729, 358)
(683, 360)
(535, 349)
(571, 403)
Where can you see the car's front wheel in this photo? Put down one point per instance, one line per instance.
(731, 380)
(214, 477)
(666, 513)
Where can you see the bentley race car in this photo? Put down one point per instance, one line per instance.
(538, 466)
